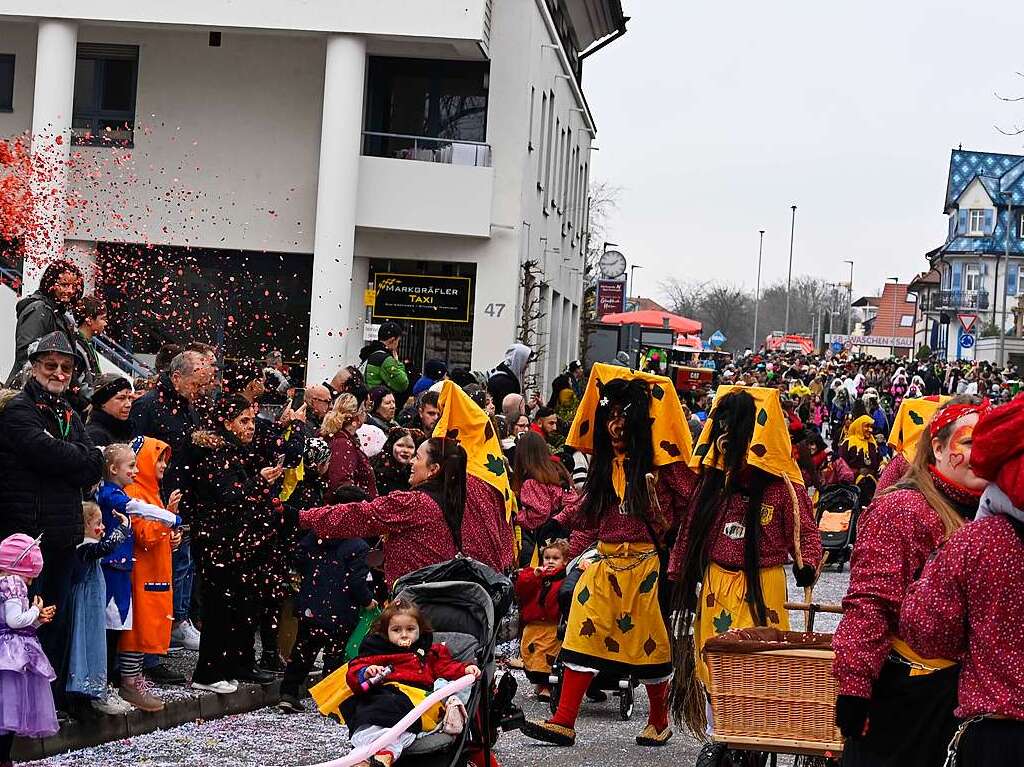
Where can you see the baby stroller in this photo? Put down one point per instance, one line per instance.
(837, 513)
(621, 687)
(464, 600)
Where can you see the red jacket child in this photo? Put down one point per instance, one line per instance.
(537, 594)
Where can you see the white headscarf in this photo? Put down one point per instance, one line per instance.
(517, 357)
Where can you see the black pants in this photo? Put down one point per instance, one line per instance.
(6, 744)
(268, 625)
(992, 743)
(229, 625)
(311, 639)
(54, 586)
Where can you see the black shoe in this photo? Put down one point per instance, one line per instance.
(272, 664)
(256, 676)
(163, 674)
(596, 694)
(289, 704)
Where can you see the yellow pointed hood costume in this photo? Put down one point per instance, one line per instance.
(910, 422)
(770, 448)
(462, 419)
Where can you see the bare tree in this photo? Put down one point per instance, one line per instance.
(1017, 129)
(531, 288)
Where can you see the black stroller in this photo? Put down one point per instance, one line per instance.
(621, 687)
(464, 601)
(837, 512)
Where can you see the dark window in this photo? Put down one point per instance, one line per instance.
(6, 82)
(425, 98)
(106, 77)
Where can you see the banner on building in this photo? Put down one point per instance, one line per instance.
(893, 341)
(611, 297)
(421, 297)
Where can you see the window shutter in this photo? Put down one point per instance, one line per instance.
(1011, 279)
(952, 227)
(990, 222)
(957, 272)
(962, 222)
(982, 268)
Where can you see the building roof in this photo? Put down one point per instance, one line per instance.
(892, 305)
(593, 20)
(925, 280)
(646, 305)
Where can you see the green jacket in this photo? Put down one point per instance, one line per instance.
(383, 369)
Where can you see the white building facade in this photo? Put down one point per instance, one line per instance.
(284, 174)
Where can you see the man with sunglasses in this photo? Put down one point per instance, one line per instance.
(47, 461)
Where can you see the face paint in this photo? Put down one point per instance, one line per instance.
(953, 460)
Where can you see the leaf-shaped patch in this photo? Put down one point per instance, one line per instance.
(759, 450)
(722, 622)
(615, 584)
(625, 623)
(650, 645)
(452, 434)
(648, 583)
(532, 647)
(771, 615)
(584, 427)
(584, 596)
(702, 449)
(671, 448)
(488, 431)
(710, 600)
(657, 392)
(916, 418)
(611, 644)
(762, 417)
(495, 465)
(588, 629)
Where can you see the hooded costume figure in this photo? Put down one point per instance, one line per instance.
(635, 495)
(738, 534)
(907, 428)
(507, 378)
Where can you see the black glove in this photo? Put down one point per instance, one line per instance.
(852, 715)
(806, 575)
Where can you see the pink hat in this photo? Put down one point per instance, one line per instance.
(20, 555)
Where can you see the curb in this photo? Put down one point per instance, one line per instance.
(94, 731)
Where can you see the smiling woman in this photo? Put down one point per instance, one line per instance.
(111, 405)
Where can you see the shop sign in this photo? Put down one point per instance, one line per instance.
(611, 297)
(896, 342)
(421, 297)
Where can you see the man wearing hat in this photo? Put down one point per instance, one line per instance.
(48, 460)
(383, 368)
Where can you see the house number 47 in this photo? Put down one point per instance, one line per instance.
(494, 310)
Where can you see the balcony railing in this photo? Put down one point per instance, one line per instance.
(955, 299)
(425, 149)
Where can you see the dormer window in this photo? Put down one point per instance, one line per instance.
(977, 221)
(1020, 226)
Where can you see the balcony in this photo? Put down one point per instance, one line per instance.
(957, 300)
(400, 146)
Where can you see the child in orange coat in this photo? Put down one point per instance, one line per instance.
(152, 599)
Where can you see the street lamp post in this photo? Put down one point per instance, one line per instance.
(849, 309)
(895, 311)
(789, 274)
(632, 269)
(757, 291)
(1006, 278)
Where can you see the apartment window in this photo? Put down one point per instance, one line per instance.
(106, 79)
(977, 221)
(972, 278)
(533, 98)
(906, 320)
(1020, 226)
(543, 142)
(6, 82)
(551, 134)
(556, 139)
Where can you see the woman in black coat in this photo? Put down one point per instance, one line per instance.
(47, 310)
(235, 536)
(111, 405)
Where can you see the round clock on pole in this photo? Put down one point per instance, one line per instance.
(612, 265)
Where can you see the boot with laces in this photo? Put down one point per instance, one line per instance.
(135, 690)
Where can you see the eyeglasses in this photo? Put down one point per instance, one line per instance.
(325, 400)
(65, 367)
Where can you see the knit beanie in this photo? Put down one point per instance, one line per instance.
(997, 453)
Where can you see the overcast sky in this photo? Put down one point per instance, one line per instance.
(715, 118)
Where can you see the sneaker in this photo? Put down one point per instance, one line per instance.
(135, 690)
(289, 704)
(164, 674)
(222, 687)
(113, 704)
(185, 635)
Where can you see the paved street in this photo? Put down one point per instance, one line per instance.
(268, 739)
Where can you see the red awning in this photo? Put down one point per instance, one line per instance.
(654, 319)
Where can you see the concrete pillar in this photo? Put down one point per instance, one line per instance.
(336, 193)
(52, 103)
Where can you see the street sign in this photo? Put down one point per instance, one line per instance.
(966, 341)
(611, 297)
(967, 320)
(717, 338)
(837, 346)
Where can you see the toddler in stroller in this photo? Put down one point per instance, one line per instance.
(838, 510)
(461, 600)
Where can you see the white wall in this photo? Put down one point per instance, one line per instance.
(974, 196)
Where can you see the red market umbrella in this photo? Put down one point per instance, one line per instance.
(651, 318)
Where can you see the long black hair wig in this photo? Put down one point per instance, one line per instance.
(632, 398)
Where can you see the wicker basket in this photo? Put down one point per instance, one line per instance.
(778, 695)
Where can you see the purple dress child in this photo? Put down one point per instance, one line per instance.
(26, 702)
